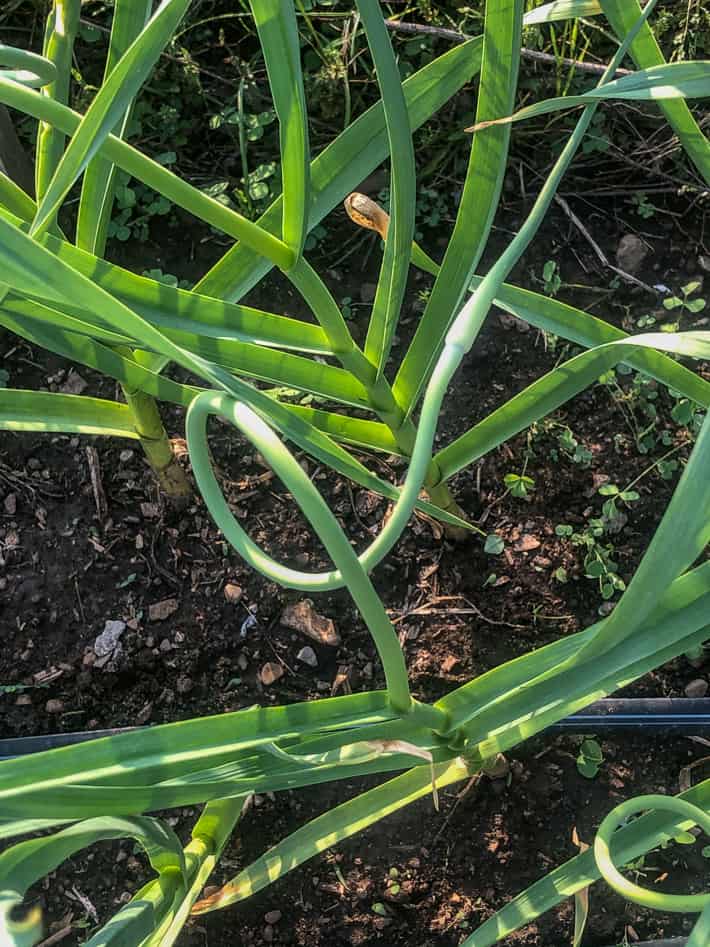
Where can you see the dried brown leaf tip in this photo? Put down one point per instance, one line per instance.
(479, 126)
(365, 212)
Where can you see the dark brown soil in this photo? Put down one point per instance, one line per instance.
(69, 564)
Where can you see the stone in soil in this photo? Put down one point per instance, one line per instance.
(449, 663)
(74, 385)
(302, 617)
(307, 656)
(108, 642)
(527, 543)
(697, 688)
(232, 592)
(159, 611)
(630, 253)
(271, 672)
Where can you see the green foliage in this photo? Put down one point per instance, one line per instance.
(519, 485)
(644, 208)
(551, 279)
(589, 759)
(688, 302)
(493, 545)
(67, 298)
(617, 497)
(598, 556)
(570, 446)
(135, 208)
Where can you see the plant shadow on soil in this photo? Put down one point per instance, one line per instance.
(68, 569)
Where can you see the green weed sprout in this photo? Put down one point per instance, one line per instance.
(64, 296)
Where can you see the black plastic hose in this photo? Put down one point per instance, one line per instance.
(676, 714)
(672, 942)
(656, 713)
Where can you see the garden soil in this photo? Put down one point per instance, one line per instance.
(86, 539)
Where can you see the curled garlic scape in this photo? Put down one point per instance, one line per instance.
(365, 212)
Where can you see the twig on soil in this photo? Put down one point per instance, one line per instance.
(701, 740)
(84, 21)
(56, 936)
(92, 456)
(356, 515)
(79, 602)
(85, 902)
(275, 653)
(601, 256)
(526, 53)
(425, 609)
(471, 784)
(160, 569)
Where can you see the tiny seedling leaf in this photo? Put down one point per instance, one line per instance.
(493, 545)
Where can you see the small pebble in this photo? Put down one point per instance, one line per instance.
(527, 543)
(74, 385)
(301, 616)
(125, 456)
(271, 672)
(54, 706)
(697, 688)
(108, 641)
(232, 592)
(272, 917)
(159, 611)
(308, 656)
(631, 253)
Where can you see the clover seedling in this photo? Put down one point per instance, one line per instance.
(610, 510)
(694, 305)
(519, 485)
(644, 208)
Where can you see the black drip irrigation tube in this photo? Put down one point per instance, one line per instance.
(669, 942)
(680, 715)
(676, 714)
